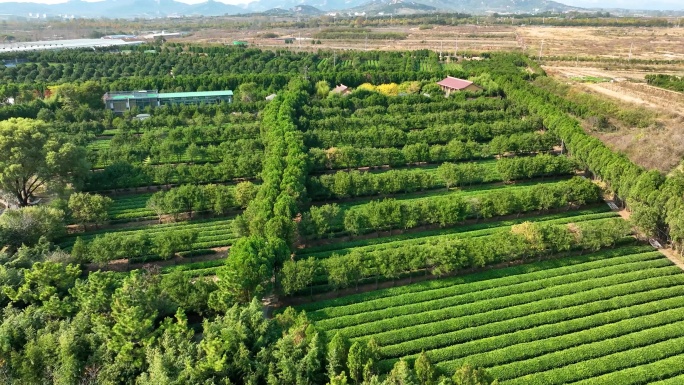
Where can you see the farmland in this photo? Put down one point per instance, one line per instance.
(544, 323)
(303, 234)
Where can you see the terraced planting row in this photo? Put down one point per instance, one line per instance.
(467, 231)
(614, 316)
(130, 207)
(134, 207)
(211, 233)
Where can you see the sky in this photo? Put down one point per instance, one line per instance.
(629, 4)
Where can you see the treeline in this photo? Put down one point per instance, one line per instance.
(528, 167)
(455, 150)
(268, 225)
(655, 200)
(408, 121)
(358, 35)
(88, 65)
(216, 199)
(448, 210)
(154, 147)
(448, 255)
(670, 82)
(356, 183)
(284, 170)
(133, 247)
(123, 175)
(391, 136)
(368, 103)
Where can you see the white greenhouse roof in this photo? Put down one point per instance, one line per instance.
(62, 44)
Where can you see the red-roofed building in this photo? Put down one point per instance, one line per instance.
(341, 89)
(451, 84)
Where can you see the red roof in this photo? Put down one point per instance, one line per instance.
(454, 83)
(340, 89)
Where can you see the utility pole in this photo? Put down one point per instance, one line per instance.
(630, 51)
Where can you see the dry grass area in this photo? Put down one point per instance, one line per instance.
(659, 146)
(448, 39)
(604, 42)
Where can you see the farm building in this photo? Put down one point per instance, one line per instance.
(341, 89)
(451, 84)
(63, 44)
(123, 101)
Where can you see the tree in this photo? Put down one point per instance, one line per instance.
(355, 222)
(157, 203)
(323, 216)
(468, 375)
(245, 192)
(247, 92)
(32, 157)
(322, 89)
(28, 224)
(401, 374)
(424, 370)
(337, 355)
(450, 174)
(45, 282)
(167, 244)
(356, 360)
(80, 251)
(248, 271)
(298, 275)
(87, 208)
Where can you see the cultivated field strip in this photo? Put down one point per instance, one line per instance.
(598, 212)
(130, 207)
(613, 317)
(461, 232)
(499, 335)
(381, 299)
(473, 192)
(211, 232)
(434, 299)
(673, 362)
(393, 330)
(665, 368)
(603, 357)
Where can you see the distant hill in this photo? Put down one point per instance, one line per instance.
(393, 7)
(162, 8)
(123, 8)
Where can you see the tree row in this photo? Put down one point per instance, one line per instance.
(448, 210)
(456, 150)
(448, 255)
(390, 136)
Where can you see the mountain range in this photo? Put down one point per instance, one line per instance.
(165, 8)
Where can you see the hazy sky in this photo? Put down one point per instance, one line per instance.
(632, 4)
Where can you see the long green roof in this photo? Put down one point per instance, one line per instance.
(170, 95)
(195, 94)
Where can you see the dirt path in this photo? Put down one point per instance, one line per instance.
(670, 253)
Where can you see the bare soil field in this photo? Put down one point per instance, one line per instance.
(604, 42)
(660, 146)
(466, 37)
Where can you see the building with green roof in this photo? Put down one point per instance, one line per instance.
(119, 102)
